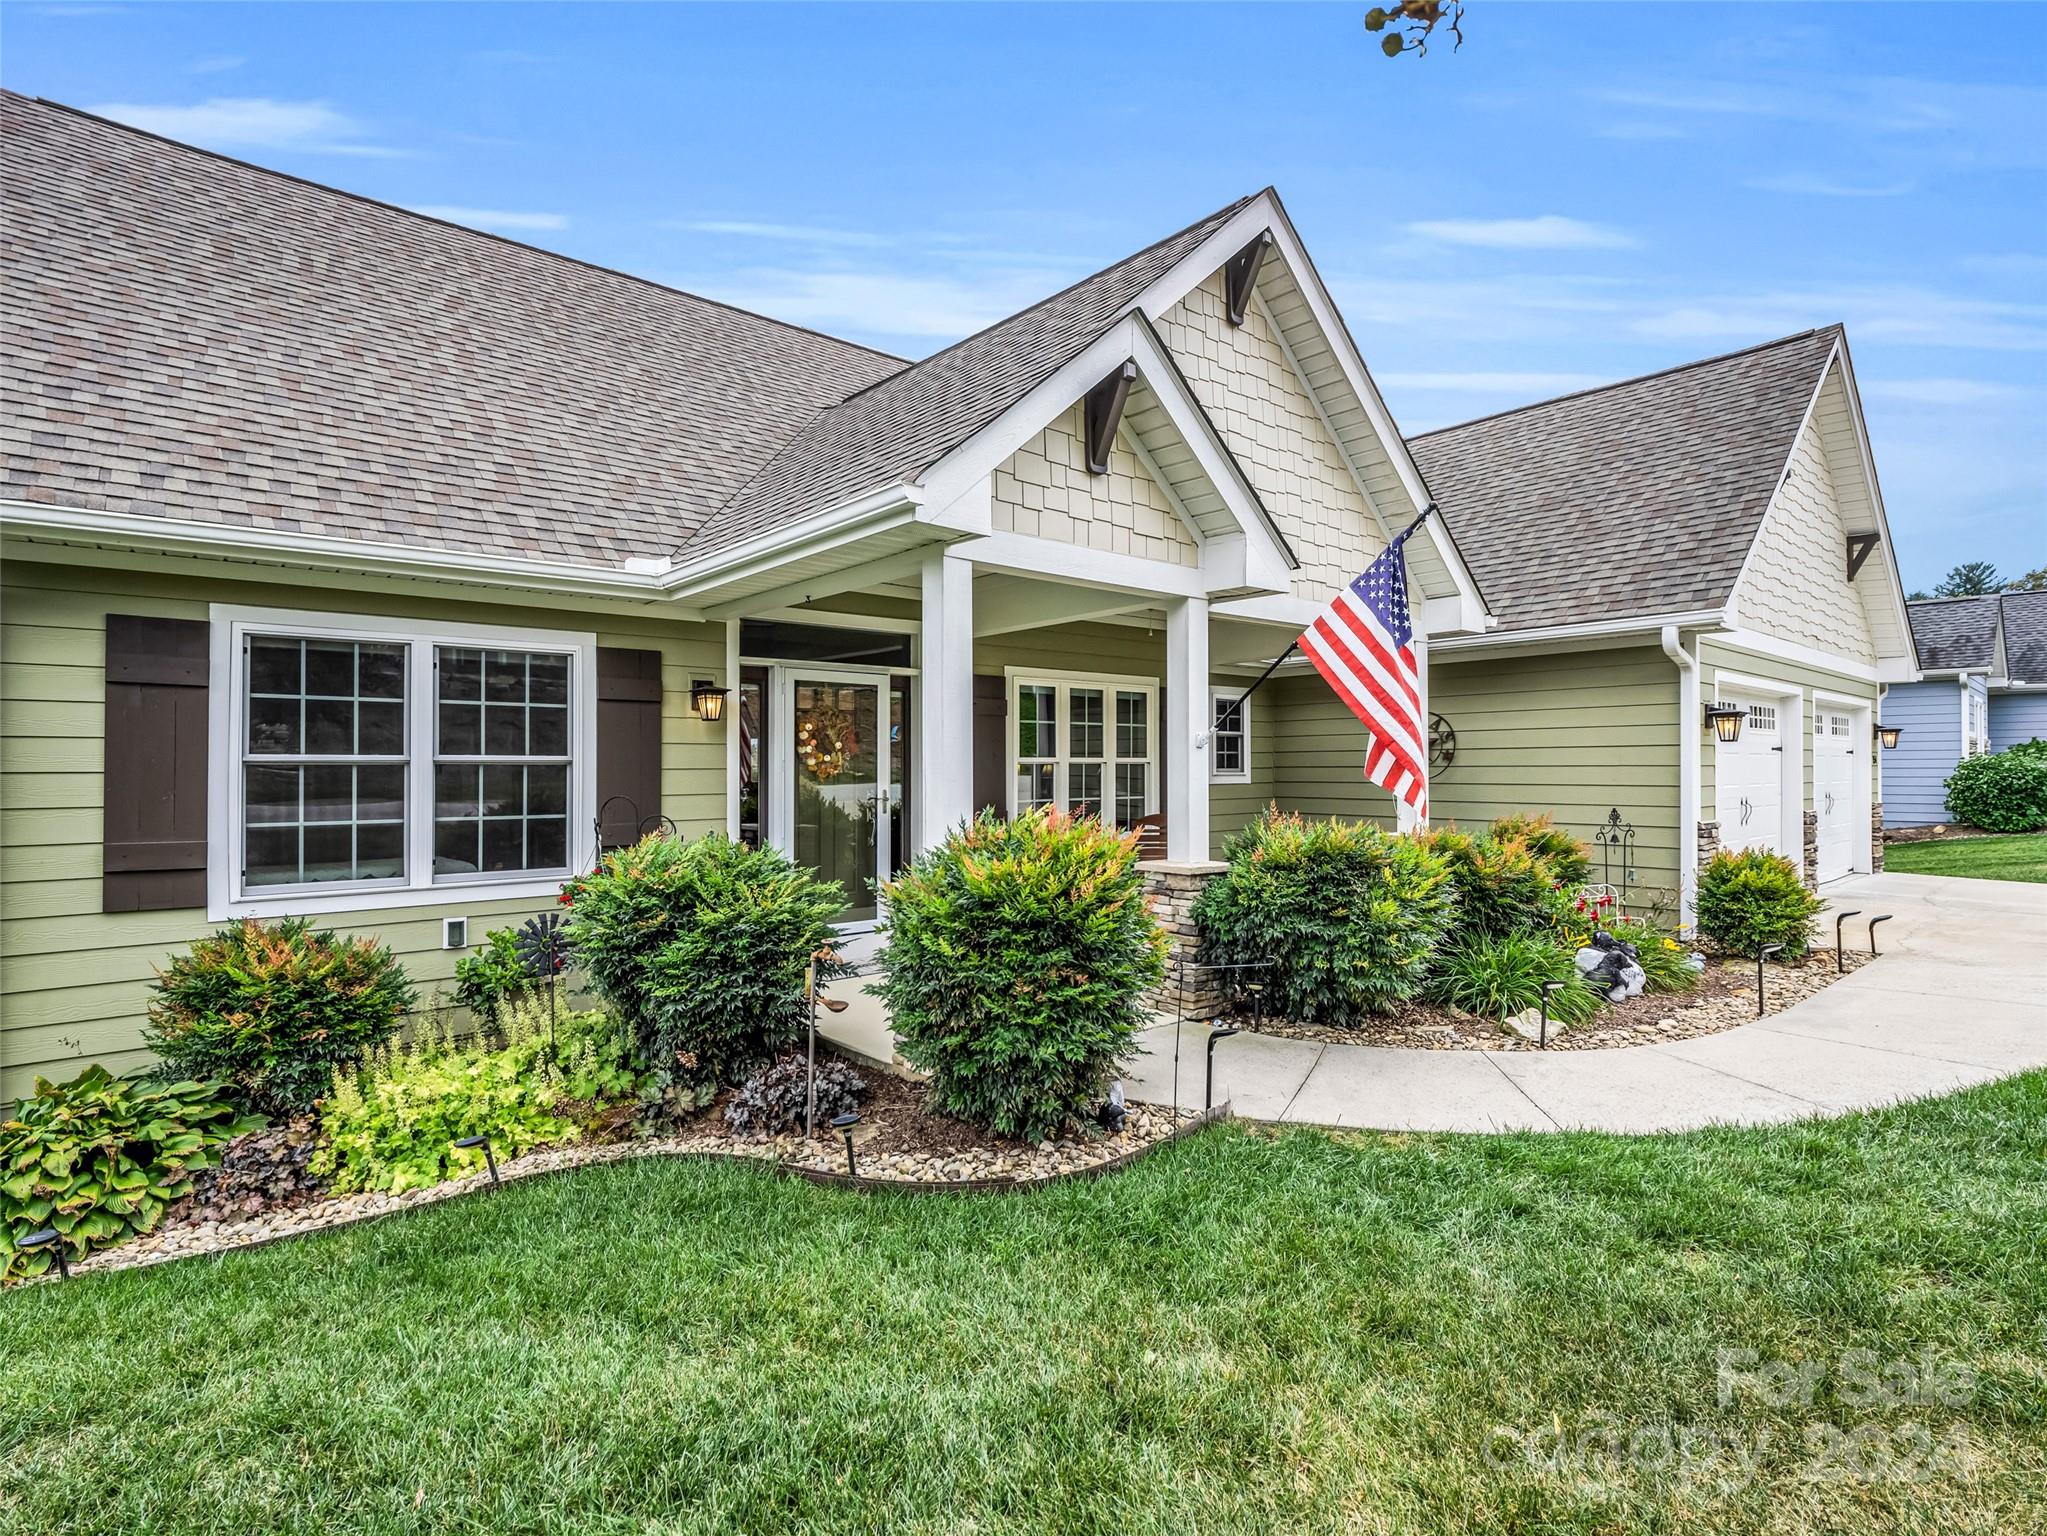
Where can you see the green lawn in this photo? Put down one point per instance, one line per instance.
(1253, 1331)
(1980, 858)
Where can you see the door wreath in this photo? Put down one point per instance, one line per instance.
(827, 741)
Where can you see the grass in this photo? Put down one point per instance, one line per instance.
(1253, 1331)
(1978, 858)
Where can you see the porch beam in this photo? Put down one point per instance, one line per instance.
(1006, 604)
(942, 730)
(846, 578)
(1186, 736)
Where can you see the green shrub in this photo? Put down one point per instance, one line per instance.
(1499, 977)
(2002, 791)
(101, 1157)
(702, 946)
(1017, 956)
(1346, 917)
(1753, 898)
(1568, 860)
(1502, 885)
(392, 1126)
(272, 1009)
(491, 976)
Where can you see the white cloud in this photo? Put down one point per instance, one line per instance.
(1800, 184)
(1530, 386)
(494, 218)
(251, 122)
(1938, 391)
(1919, 316)
(800, 234)
(1550, 232)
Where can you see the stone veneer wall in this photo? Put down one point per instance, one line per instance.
(1812, 850)
(1172, 889)
(1876, 836)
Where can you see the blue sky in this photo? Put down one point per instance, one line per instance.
(1581, 194)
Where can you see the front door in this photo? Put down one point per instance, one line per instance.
(844, 781)
(1833, 791)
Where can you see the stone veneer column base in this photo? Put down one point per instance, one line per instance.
(1812, 850)
(1172, 889)
(1876, 837)
(1709, 841)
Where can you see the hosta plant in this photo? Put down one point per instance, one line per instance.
(1345, 918)
(100, 1159)
(1017, 958)
(272, 1009)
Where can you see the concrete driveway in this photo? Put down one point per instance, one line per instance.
(1959, 997)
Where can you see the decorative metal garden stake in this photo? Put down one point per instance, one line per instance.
(1766, 950)
(1542, 1038)
(1208, 1088)
(489, 1160)
(543, 949)
(844, 1124)
(810, 1051)
(1841, 965)
(44, 1238)
(1872, 930)
(1616, 837)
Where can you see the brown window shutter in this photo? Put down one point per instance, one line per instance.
(628, 743)
(991, 744)
(154, 802)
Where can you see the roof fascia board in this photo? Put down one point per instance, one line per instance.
(871, 512)
(1649, 626)
(1757, 644)
(847, 578)
(189, 537)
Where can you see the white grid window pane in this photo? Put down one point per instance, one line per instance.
(501, 775)
(1037, 722)
(1227, 744)
(1131, 782)
(1084, 734)
(1084, 789)
(1133, 725)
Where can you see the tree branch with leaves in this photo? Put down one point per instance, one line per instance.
(1409, 24)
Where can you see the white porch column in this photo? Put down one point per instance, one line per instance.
(943, 730)
(1404, 817)
(1187, 729)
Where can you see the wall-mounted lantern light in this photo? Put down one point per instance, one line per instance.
(1889, 734)
(1725, 719)
(707, 699)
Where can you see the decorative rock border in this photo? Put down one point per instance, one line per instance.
(1004, 1172)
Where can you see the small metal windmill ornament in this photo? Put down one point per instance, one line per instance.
(543, 949)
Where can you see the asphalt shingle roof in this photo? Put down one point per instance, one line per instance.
(190, 336)
(2025, 635)
(1951, 633)
(894, 431)
(1630, 500)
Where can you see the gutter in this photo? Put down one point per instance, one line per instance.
(1647, 626)
(1687, 770)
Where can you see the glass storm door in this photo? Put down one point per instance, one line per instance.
(840, 758)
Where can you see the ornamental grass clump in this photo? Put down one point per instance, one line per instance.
(272, 1010)
(1497, 978)
(1346, 918)
(101, 1158)
(1755, 898)
(1017, 956)
(701, 946)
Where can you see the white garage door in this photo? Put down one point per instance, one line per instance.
(1748, 777)
(1842, 821)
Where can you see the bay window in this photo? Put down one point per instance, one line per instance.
(369, 762)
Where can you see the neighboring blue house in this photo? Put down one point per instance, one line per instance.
(1983, 664)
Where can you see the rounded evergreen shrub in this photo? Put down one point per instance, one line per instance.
(701, 946)
(1500, 977)
(272, 1009)
(1503, 886)
(1568, 860)
(1017, 954)
(1346, 917)
(1753, 898)
(2002, 791)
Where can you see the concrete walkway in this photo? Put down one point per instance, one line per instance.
(1959, 997)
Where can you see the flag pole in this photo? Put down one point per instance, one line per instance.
(1280, 660)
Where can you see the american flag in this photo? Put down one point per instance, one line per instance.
(1362, 645)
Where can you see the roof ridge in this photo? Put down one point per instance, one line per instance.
(1079, 282)
(1959, 597)
(1640, 378)
(481, 234)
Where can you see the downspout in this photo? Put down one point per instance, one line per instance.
(1687, 771)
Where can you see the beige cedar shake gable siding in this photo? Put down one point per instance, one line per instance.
(1045, 490)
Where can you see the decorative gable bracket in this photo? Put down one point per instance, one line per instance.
(1859, 547)
(1240, 276)
(1104, 415)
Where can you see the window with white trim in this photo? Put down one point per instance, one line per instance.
(1086, 744)
(1229, 748)
(379, 762)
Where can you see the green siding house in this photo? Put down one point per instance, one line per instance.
(1710, 535)
(366, 567)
